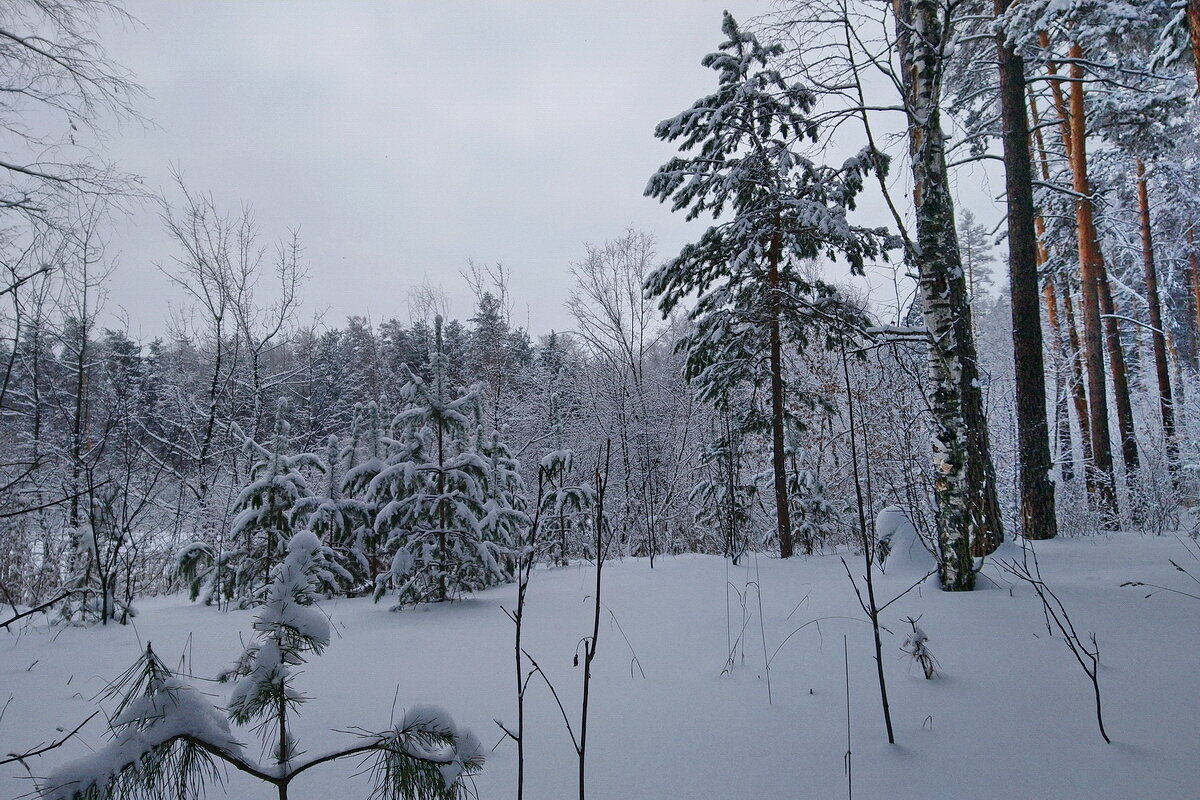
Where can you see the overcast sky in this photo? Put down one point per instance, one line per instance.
(405, 138)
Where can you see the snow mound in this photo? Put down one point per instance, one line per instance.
(902, 551)
(1014, 548)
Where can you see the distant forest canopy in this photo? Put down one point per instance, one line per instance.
(734, 396)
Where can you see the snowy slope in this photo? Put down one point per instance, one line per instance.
(1010, 715)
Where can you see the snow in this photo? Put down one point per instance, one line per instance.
(1009, 715)
(434, 719)
(281, 607)
(177, 709)
(907, 554)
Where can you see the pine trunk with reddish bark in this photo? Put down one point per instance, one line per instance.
(1062, 388)
(1091, 277)
(1078, 391)
(1166, 400)
(1120, 374)
(1065, 337)
(1193, 15)
(1194, 260)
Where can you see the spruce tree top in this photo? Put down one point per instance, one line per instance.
(742, 131)
(740, 158)
(774, 209)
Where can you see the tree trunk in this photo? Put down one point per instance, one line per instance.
(1101, 483)
(1177, 375)
(1166, 400)
(284, 750)
(443, 591)
(1194, 259)
(1068, 343)
(1091, 265)
(968, 513)
(1038, 519)
(1078, 392)
(778, 461)
(1062, 406)
(1120, 374)
(1193, 15)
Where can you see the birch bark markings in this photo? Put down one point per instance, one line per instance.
(968, 514)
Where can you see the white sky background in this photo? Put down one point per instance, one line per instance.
(403, 139)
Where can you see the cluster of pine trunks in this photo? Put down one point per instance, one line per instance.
(968, 517)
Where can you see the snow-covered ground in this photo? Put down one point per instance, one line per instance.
(1009, 716)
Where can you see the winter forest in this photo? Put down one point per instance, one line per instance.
(879, 479)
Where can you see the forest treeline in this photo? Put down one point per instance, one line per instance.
(739, 395)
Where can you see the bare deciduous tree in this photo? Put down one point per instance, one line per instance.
(61, 90)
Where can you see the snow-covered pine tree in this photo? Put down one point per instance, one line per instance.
(505, 519)
(262, 527)
(783, 208)
(289, 626)
(556, 390)
(168, 738)
(723, 499)
(345, 522)
(363, 458)
(432, 496)
(812, 514)
(566, 505)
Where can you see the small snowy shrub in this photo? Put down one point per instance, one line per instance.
(723, 498)
(565, 505)
(812, 514)
(916, 649)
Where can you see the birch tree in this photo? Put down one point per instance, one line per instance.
(968, 510)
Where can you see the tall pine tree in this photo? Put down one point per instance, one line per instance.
(753, 299)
